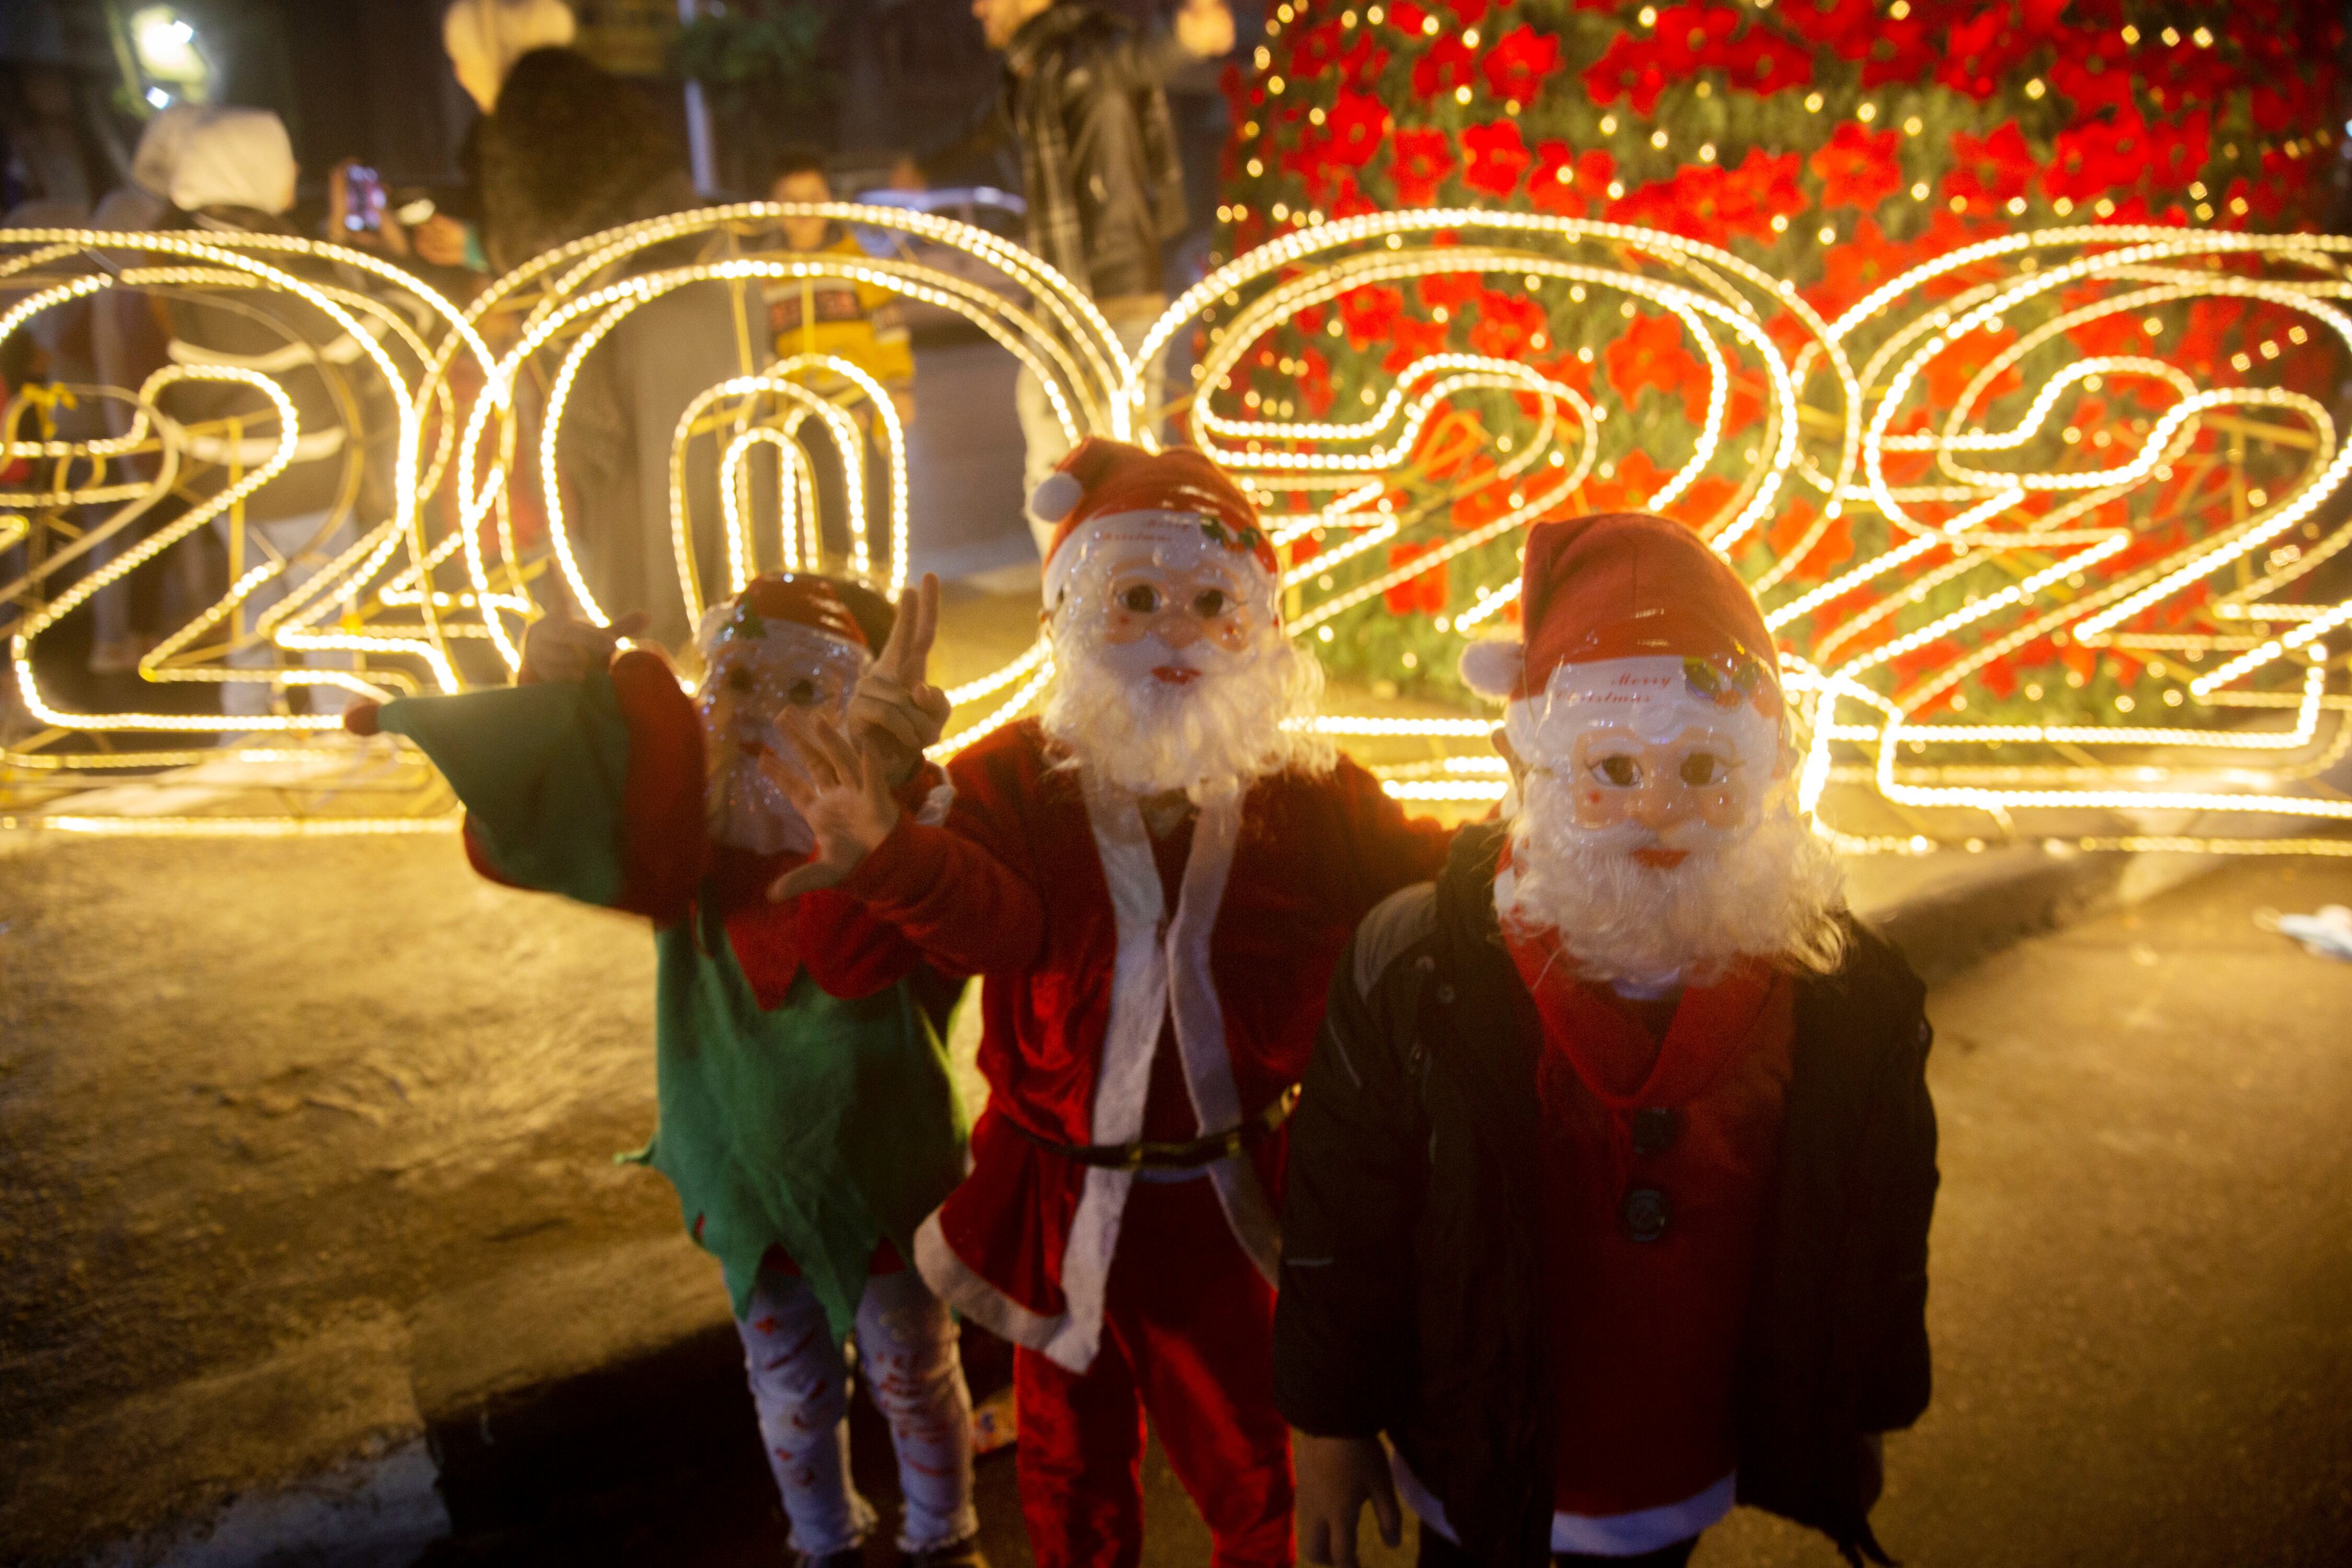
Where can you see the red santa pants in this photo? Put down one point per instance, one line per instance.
(1188, 1336)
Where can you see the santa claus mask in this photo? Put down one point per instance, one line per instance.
(1658, 835)
(757, 668)
(1172, 671)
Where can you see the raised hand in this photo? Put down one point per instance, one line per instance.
(845, 798)
(557, 648)
(895, 710)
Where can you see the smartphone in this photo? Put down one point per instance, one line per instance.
(363, 199)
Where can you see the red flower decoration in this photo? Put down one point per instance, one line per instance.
(1979, 52)
(1507, 325)
(1407, 18)
(1711, 203)
(1517, 63)
(1410, 338)
(1845, 26)
(1650, 354)
(1348, 198)
(1480, 507)
(1361, 65)
(1688, 37)
(1353, 127)
(2093, 81)
(1629, 489)
(1449, 64)
(1852, 270)
(1786, 532)
(1315, 388)
(1318, 49)
(1564, 181)
(1686, 40)
(2087, 161)
(1857, 168)
(1947, 375)
(1424, 593)
(1419, 162)
(2180, 146)
(1990, 169)
(1453, 293)
(1369, 312)
(1496, 157)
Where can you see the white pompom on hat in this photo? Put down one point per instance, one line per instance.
(1057, 495)
(1490, 666)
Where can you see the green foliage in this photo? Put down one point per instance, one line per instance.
(759, 57)
(1835, 145)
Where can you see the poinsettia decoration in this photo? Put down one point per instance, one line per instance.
(1834, 144)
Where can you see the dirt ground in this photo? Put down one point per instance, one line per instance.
(339, 1108)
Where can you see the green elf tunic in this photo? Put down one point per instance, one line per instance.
(808, 1120)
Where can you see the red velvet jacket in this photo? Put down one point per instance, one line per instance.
(1056, 901)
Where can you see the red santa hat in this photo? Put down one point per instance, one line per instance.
(1110, 491)
(1623, 612)
(846, 612)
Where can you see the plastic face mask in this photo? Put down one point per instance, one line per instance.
(749, 681)
(1648, 758)
(1694, 776)
(1169, 612)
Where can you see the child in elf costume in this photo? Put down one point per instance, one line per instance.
(1611, 1175)
(807, 1117)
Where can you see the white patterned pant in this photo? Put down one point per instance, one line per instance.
(800, 1384)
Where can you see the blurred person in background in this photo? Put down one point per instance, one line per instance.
(129, 333)
(235, 174)
(841, 317)
(483, 39)
(1083, 94)
(858, 321)
(569, 149)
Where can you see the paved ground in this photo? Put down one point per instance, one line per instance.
(304, 1152)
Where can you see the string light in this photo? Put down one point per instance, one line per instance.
(1966, 519)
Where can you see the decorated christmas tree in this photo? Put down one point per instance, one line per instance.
(1835, 144)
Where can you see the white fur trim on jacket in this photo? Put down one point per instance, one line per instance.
(1162, 971)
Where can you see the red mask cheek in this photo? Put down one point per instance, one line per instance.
(1594, 809)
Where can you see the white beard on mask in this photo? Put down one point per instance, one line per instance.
(1771, 892)
(1210, 736)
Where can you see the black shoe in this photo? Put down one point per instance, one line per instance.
(847, 1557)
(964, 1554)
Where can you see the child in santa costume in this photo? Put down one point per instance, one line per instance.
(1155, 878)
(1611, 1180)
(807, 1117)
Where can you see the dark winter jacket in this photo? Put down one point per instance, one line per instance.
(571, 150)
(1414, 1272)
(1083, 93)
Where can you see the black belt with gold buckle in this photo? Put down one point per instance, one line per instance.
(1141, 1156)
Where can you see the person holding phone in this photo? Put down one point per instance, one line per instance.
(1082, 95)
